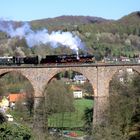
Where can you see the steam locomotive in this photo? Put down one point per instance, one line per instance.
(49, 59)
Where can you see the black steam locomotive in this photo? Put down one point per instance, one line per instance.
(49, 59)
(63, 59)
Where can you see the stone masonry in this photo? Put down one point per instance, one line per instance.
(98, 75)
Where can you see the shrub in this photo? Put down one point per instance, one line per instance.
(14, 132)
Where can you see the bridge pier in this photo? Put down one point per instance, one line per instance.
(101, 99)
(39, 115)
(101, 112)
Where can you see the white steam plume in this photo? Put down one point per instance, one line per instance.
(43, 37)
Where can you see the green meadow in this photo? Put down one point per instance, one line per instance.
(71, 119)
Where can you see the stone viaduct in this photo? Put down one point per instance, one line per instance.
(98, 75)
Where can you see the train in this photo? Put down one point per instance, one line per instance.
(16, 60)
(48, 60)
(63, 59)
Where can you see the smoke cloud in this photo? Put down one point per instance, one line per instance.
(42, 36)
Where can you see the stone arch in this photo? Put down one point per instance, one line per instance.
(82, 70)
(114, 71)
(136, 69)
(4, 72)
(105, 75)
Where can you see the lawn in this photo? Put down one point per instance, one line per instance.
(71, 119)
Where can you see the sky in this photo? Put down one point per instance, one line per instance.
(27, 10)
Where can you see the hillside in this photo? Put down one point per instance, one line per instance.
(66, 21)
(133, 18)
(99, 36)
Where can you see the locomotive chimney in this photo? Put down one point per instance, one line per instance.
(77, 55)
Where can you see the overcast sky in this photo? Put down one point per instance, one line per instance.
(27, 10)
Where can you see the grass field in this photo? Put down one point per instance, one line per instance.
(71, 119)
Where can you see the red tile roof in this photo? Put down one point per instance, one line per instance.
(75, 88)
(13, 97)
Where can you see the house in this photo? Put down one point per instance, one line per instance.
(124, 59)
(14, 97)
(110, 59)
(77, 92)
(79, 79)
(137, 60)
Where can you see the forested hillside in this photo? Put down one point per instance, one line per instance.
(99, 36)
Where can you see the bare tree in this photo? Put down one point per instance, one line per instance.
(58, 97)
